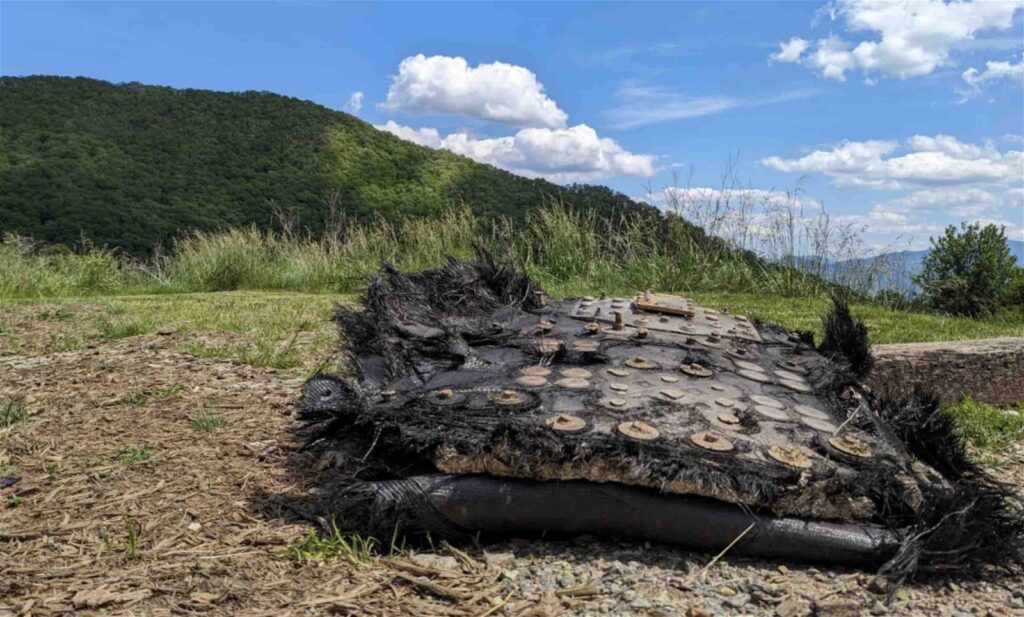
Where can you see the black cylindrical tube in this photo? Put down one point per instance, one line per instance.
(489, 504)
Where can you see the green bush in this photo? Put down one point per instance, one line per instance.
(968, 272)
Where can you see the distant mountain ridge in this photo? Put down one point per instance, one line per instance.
(132, 166)
(901, 266)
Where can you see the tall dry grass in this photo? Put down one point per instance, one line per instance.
(567, 251)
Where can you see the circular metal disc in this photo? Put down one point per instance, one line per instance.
(532, 381)
(727, 417)
(757, 376)
(585, 346)
(536, 371)
(767, 401)
(789, 375)
(577, 373)
(850, 445)
(811, 412)
(638, 430)
(750, 366)
(819, 425)
(797, 386)
(792, 366)
(614, 402)
(549, 345)
(714, 343)
(618, 372)
(792, 456)
(669, 378)
(696, 370)
(445, 396)
(673, 393)
(619, 387)
(725, 402)
(566, 423)
(508, 397)
(711, 441)
(772, 413)
(641, 362)
(717, 387)
(573, 382)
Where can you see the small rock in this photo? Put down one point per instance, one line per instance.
(510, 575)
(429, 560)
(878, 585)
(497, 559)
(194, 526)
(783, 570)
(640, 603)
(792, 608)
(727, 591)
(837, 608)
(696, 611)
(739, 600)
(166, 331)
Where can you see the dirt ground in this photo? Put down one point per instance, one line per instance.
(147, 481)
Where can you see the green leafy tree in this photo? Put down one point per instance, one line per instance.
(968, 271)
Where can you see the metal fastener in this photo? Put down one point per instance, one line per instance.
(638, 430)
(711, 441)
(851, 445)
(566, 423)
(793, 456)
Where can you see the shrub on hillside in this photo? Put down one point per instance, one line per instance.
(968, 272)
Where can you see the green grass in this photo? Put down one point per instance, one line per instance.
(118, 326)
(566, 251)
(58, 314)
(987, 427)
(144, 396)
(351, 548)
(12, 411)
(206, 421)
(134, 454)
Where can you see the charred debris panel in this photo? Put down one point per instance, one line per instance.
(480, 404)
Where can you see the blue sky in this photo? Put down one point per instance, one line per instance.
(899, 117)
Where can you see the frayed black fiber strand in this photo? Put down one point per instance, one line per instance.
(846, 339)
(980, 522)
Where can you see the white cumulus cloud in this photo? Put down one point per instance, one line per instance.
(571, 154)
(424, 137)
(943, 181)
(497, 92)
(355, 103)
(994, 71)
(901, 38)
(791, 50)
(921, 161)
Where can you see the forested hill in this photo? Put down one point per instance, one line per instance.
(132, 166)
